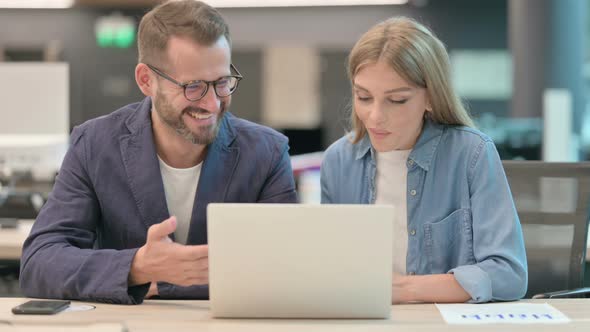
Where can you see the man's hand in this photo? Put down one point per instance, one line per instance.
(160, 259)
(153, 291)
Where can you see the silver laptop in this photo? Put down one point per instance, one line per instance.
(300, 261)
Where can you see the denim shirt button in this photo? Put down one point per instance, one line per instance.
(413, 232)
(413, 192)
(410, 162)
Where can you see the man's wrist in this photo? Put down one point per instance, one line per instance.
(137, 275)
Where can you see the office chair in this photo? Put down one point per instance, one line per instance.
(552, 201)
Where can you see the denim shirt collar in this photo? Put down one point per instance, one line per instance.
(421, 154)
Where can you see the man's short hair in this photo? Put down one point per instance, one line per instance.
(183, 18)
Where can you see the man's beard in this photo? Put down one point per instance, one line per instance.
(205, 135)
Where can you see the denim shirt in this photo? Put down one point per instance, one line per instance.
(461, 216)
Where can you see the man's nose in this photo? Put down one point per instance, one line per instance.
(210, 101)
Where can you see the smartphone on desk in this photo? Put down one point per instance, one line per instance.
(36, 307)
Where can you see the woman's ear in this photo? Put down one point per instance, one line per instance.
(428, 105)
(144, 80)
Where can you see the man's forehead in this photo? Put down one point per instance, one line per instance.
(179, 42)
(189, 56)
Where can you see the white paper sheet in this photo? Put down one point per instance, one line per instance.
(511, 313)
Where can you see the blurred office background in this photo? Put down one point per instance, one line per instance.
(522, 67)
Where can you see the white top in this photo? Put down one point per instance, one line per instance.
(180, 187)
(391, 184)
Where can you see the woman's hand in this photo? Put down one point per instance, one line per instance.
(433, 288)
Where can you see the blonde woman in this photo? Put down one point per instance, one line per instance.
(457, 236)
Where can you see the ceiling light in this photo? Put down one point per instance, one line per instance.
(300, 3)
(36, 3)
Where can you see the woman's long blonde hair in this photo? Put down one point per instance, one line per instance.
(420, 58)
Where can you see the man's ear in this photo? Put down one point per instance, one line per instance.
(145, 80)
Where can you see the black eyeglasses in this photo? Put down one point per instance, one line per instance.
(196, 90)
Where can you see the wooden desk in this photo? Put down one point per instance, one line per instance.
(160, 315)
(12, 239)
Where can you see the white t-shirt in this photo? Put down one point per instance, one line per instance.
(180, 187)
(391, 184)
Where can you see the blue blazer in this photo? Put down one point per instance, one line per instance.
(109, 191)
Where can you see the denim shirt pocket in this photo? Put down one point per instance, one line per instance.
(449, 242)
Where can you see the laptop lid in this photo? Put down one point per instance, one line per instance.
(300, 261)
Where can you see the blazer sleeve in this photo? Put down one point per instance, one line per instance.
(279, 185)
(58, 259)
(498, 245)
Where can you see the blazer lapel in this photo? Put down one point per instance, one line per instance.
(216, 175)
(142, 166)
